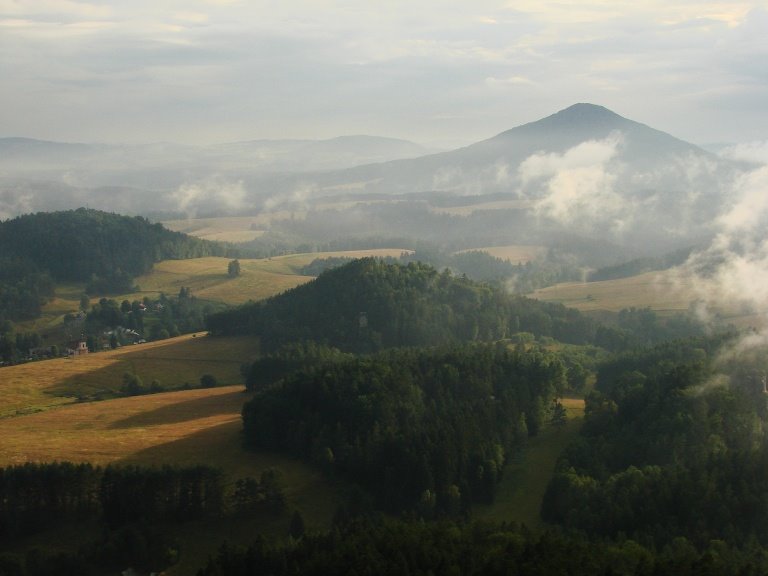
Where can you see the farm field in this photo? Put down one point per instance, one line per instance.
(666, 292)
(660, 291)
(208, 280)
(38, 386)
(246, 228)
(515, 253)
(469, 209)
(179, 428)
(188, 427)
(228, 229)
(258, 279)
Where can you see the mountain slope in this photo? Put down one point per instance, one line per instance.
(492, 165)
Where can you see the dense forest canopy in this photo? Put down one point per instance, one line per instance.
(103, 249)
(369, 304)
(432, 428)
(674, 445)
(376, 546)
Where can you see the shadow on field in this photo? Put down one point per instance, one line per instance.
(186, 410)
(218, 446)
(171, 362)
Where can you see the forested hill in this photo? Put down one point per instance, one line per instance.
(85, 245)
(368, 305)
(106, 251)
(75, 244)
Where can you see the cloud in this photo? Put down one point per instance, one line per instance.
(293, 200)
(733, 268)
(578, 185)
(755, 152)
(215, 194)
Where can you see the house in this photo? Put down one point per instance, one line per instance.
(77, 348)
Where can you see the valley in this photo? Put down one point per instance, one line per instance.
(309, 349)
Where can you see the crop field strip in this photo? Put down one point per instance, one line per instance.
(43, 385)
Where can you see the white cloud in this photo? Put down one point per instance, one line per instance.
(212, 194)
(734, 267)
(579, 185)
(756, 152)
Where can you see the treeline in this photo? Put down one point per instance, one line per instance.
(641, 265)
(374, 546)
(673, 447)
(133, 507)
(287, 359)
(369, 305)
(24, 289)
(14, 345)
(521, 278)
(34, 495)
(419, 429)
(153, 319)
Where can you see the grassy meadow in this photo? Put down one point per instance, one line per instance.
(258, 279)
(208, 280)
(182, 428)
(38, 386)
(666, 292)
(525, 479)
(188, 427)
(43, 421)
(227, 228)
(661, 291)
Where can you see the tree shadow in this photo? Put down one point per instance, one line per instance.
(187, 410)
(217, 445)
(173, 366)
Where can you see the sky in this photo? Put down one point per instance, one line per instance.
(443, 73)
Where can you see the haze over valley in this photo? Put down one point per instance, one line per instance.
(437, 288)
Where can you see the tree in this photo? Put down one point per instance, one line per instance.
(132, 385)
(233, 268)
(208, 381)
(559, 415)
(296, 529)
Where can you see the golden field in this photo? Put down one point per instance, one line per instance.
(660, 291)
(186, 427)
(37, 386)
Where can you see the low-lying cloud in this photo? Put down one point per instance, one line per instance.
(214, 194)
(733, 268)
(579, 185)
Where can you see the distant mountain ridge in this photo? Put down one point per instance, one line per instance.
(252, 155)
(584, 170)
(474, 169)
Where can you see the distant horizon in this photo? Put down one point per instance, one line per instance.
(441, 73)
(431, 149)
